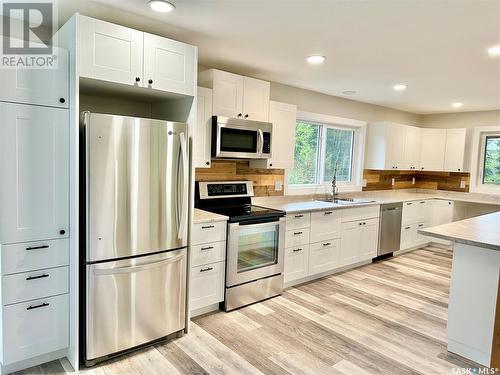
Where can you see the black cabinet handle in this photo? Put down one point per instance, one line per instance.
(409, 204)
(246, 116)
(240, 114)
(37, 277)
(459, 169)
(327, 244)
(270, 164)
(206, 269)
(37, 306)
(138, 79)
(207, 163)
(150, 81)
(420, 225)
(298, 216)
(62, 100)
(296, 250)
(62, 232)
(328, 212)
(208, 227)
(297, 233)
(364, 223)
(407, 227)
(37, 247)
(207, 248)
(360, 223)
(422, 202)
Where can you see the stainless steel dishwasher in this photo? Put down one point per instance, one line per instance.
(390, 228)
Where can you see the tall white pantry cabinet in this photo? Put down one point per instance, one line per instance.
(34, 215)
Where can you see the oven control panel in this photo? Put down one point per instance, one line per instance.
(225, 189)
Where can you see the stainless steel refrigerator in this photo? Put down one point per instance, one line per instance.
(137, 174)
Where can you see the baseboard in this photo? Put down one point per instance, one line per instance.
(469, 353)
(326, 273)
(204, 310)
(34, 361)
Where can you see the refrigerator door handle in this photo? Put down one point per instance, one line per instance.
(185, 182)
(141, 267)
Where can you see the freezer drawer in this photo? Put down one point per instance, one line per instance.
(133, 301)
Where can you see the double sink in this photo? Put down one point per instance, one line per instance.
(345, 201)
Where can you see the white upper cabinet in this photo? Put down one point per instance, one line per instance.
(433, 149)
(256, 94)
(412, 148)
(454, 150)
(118, 54)
(110, 52)
(47, 87)
(386, 146)
(201, 140)
(169, 65)
(34, 159)
(283, 116)
(237, 96)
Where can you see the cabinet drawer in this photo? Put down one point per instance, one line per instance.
(208, 253)
(414, 212)
(325, 225)
(297, 237)
(298, 221)
(296, 263)
(207, 285)
(29, 256)
(34, 284)
(324, 256)
(34, 328)
(360, 213)
(208, 232)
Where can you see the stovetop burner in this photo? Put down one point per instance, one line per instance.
(232, 199)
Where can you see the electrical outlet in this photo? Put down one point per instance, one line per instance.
(393, 182)
(413, 181)
(278, 185)
(365, 182)
(462, 184)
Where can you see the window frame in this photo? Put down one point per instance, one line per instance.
(357, 157)
(478, 158)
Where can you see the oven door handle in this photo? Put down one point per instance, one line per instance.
(261, 143)
(258, 225)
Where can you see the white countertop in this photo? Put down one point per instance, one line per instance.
(481, 231)
(201, 216)
(296, 204)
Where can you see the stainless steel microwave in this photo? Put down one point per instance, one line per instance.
(237, 138)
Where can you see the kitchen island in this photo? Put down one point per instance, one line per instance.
(474, 305)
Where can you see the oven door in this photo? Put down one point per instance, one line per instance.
(254, 250)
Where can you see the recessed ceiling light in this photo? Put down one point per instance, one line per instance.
(494, 51)
(316, 59)
(349, 92)
(400, 87)
(457, 105)
(161, 6)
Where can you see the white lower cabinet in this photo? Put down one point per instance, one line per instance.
(208, 266)
(34, 328)
(324, 256)
(369, 239)
(359, 241)
(207, 285)
(296, 263)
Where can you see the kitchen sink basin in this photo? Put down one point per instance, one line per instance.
(346, 201)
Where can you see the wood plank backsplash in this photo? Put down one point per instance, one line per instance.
(239, 170)
(382, 180)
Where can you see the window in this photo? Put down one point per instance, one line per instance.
(491, 157)
(321, 148)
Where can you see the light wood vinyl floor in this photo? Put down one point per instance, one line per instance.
(384, 318)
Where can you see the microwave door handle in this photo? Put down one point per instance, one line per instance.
(185, 182)
(261, 142)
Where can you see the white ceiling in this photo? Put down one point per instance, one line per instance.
(436, 47)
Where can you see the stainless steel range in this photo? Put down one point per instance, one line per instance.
(255, 242)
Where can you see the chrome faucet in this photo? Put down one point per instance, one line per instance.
(334, 183)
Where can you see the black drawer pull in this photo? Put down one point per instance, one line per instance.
(208, 226)
(37, 277)
(37, 306)
(297, 233)
(295, 250)
(422, 202)
(328, 212)
(327, 244)
(409, 204)
(206, 269)
(420, 225)
(407, 227)
(207, 248)
(37, 247)
(298, 216)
